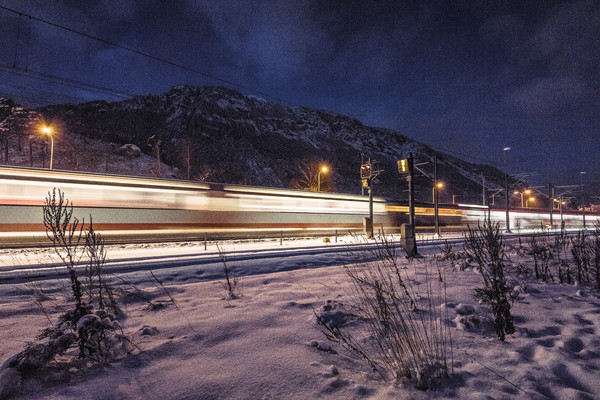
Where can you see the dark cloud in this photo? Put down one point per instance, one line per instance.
(470, 77)
(561, 59)
(548, 96)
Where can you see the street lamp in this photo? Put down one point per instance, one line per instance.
(531, 199)
(582, 199)
(435, 188)
(506, 190)
(48, 131)
(522, 193)
(323, 170)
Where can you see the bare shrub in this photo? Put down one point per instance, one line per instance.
(88, 327)
(595, 250)
(447, 253)
(560, 250)
(392, 333)
(98, 289)
(581, 256)
(542, 255)
(231, 283)
(485, 245)
(66, 233)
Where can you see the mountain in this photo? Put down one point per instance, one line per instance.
(220, 135)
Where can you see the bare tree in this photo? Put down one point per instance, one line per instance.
(309, 177)
(14, 123)
(155, 143)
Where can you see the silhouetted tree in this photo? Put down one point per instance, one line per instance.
(309, 176)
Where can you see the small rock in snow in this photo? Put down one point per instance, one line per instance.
(149, 331)
(322, 346)
(465, 309)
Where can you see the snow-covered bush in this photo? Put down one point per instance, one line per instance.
(90, 330)
(447, 253)
(485, 245)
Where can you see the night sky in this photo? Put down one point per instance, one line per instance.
(466, 77)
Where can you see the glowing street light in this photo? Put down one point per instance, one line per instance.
(437, 186)
(522, 193)
(531, 199)
(582, 198)
(48, 131)
(506, 190)
(323, 170)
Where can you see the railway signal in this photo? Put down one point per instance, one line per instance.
(368, 173)
(407, 231)
(365, 171)
(403, 166)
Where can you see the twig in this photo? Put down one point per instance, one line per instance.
(495, 373)
(164, 289)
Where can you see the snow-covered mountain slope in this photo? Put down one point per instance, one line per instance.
(217, 134)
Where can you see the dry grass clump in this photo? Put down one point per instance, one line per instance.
(575, 258)
(398, 333)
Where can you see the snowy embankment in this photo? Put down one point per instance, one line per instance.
(266, 344)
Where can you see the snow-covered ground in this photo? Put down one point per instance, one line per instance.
(261, 345)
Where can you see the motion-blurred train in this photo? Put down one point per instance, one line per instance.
(144, 209)
(131, 208)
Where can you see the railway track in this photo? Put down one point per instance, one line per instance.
(41, 262)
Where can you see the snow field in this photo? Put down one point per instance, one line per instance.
(267, 345)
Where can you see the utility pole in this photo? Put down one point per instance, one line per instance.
(551, 197)
(436, 198)
(406, 167)
(368, 174)
(506, 191)
(483, 194)
(411, 192)
(562, 221)
(582, 199)
(411, 248)
(362, 163)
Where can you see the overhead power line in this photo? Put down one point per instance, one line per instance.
(151, 56)
(22, 89)
(462, 156)
(50, 78)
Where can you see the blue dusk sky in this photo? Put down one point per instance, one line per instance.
(466, 77)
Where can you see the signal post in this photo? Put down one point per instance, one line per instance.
(367, 175)
(407, 231)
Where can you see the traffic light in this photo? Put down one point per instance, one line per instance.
(365, 171)
(403, 166)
